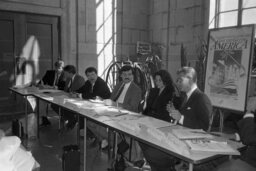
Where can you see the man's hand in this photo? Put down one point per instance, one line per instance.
(175, 114)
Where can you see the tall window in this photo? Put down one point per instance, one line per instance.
(224, 13)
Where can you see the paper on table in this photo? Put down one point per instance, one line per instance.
(129, 125)
(191, 133)
(96, 101)
(60, 99)
(152, 122)
(49, 91)
(211, 147)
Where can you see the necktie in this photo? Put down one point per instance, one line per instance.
(184, 100)
(118, 93)
(57, 79)
(70, 85)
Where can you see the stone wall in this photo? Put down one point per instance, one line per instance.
(177, 22)
(88, 39)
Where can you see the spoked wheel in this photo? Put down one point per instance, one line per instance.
(113, 75)
(140, 79)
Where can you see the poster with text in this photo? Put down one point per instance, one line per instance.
(228, 66)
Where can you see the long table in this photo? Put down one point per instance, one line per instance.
(126, 122)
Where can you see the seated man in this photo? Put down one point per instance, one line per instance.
(126, 94)
(196, 107)
(52, 79)
(247, 134)
(94, 87)
(74, 82)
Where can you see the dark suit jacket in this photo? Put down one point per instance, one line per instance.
(156, 104)
(197, 111)
(100, 89)
(247, 132)
(132, 97)
(49, 77)
(77, 83)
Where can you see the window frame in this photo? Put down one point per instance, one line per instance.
(239, 10)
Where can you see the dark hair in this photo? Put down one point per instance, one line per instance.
(90, 69)
(126, 68)
(165, 77)
(188, 72)
(70, 69)
(59, 63)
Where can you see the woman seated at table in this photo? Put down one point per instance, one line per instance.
(156, 103)
(160, 96)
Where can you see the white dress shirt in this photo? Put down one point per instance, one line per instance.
(194, 87)
(122, 95)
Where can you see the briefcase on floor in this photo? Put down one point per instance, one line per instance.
(71, 158)
(17, 128)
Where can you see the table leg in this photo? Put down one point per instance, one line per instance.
(85, 144)
(115, 145)
(190, 167)
(26, 116)
(38, 116)
(59, 118)
(78, 131)
(130, 149)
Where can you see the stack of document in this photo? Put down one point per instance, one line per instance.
(211, 146)
(200, 141)
(191, 134)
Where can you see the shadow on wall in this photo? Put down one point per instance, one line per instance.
(27, 63)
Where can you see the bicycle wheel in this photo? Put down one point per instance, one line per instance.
(113, 75)
(140, 79)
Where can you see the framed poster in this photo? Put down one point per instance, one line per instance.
(228, 66)
(143, 48)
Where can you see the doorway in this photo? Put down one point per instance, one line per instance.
(29, 45)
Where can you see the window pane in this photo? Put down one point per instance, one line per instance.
(212, 14)
(226, 5)
(228, 19)
(249, 16)
(249, 3)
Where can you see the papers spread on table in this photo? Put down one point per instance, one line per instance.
(96, 101)
(49, 91)
(201, 141)
(191, 134)
(172, 141)
(129, 125)
(153, 122)
(211, 146)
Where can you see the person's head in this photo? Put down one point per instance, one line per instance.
(187, 77)
(127, 74)
(59, 66)
(162, 79)
(69, 71)
(91, 74)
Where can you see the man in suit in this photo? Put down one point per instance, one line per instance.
(94, 87)
(247, 134)
(52, 79)
(196, 108)
(74, 82)
(126, 93)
